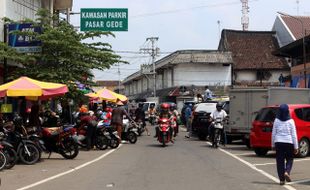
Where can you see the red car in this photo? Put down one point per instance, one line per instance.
(260, 137)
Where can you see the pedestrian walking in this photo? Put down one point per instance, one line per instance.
(188, 119)
(284, 141)
(117, 117)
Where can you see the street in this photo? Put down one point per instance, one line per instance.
(187, 164)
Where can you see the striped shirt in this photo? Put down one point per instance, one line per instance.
(285, 132)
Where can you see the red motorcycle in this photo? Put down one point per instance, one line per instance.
(164, 126)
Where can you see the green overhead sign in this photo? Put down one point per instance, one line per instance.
(104, 19)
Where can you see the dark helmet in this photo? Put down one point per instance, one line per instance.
(140, 104)
(173, 106)
(219, 105)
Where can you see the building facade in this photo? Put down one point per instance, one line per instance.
(190, 70)
(254, 63)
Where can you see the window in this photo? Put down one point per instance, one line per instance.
(267, 114)
(303, 114)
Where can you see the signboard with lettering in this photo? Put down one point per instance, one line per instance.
(6, 108)
(22, 43)
(104, 19)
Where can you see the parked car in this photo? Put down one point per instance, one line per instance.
(260, 137)
(201, 117)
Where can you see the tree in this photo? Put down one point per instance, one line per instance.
(66, 55)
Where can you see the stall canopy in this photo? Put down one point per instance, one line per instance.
(107, 95)
(28, 87)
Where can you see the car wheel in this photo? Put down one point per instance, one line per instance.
(303, 148)
(260, 151)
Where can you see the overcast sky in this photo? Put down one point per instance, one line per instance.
(182, 24)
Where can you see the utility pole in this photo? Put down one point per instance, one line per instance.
(153, 51)
(119, 78)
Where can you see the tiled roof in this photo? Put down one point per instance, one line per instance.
(107, 83)
(252, 49)
(295, 26)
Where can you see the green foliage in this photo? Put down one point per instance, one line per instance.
(67, 55)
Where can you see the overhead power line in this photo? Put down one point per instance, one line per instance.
(187, 9)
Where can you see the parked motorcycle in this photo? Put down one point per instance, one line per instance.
(28, 152)
(130, 131)
(8, 150)
(164, 126)
(59, 140)
(106, 136)
(3, 158)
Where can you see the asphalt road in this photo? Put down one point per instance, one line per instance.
(187, 164)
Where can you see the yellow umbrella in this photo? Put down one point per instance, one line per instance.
(121, 97)
(25, 86)
(108, 95)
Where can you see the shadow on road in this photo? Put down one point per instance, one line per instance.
(265, 183)
(157, 145)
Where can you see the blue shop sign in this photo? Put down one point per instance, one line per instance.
(24, 44)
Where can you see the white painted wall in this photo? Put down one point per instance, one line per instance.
(144, 83)
(2, 14)
(201, 74)
(139, 86)
(16, 11)
(246, 76)
(251, 76)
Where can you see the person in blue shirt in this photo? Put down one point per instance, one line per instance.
(188, 119)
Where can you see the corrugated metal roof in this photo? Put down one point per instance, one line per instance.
(192, 57)
(202, 57)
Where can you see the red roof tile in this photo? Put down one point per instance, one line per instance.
(252, 49)
(295, 26)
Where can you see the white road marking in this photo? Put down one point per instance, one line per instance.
(69, 171)
(299, 181)
(245, 154)
(273, 163)
(254, 168)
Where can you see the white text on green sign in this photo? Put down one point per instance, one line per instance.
(104, 19)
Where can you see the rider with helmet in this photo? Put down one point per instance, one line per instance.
(164, 113)
(140, 116)
(221, 114)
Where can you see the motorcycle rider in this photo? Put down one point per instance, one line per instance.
(140, 116)
(164, 113)
(152, 114)
(106, 116)
(88, 121)
(221, 114)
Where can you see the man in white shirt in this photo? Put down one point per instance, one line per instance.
(207, 94)
(220, 114)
